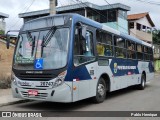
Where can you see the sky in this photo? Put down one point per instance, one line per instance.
(14, 7)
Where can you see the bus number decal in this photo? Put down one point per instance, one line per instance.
(47, 83)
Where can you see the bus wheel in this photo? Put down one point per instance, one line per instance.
(143, 83)
(100, 91)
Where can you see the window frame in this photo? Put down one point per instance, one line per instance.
(89, 29)
(120, 47)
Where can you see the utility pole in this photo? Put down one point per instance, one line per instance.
(52, 4)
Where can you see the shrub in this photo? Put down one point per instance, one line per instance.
(2, 32)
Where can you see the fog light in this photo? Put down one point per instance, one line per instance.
(16, 90)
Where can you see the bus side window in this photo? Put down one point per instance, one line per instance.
(120, 50)
(89, 44)
(83, 48)
(104, 43)
(131, 50)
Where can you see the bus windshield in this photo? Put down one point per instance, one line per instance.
(49, 45)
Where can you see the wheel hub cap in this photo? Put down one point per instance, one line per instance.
(101, 89)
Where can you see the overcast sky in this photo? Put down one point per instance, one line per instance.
(14, 7)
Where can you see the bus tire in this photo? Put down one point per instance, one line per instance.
(143, 83)
(100, 91)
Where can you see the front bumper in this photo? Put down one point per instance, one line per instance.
(61, 93)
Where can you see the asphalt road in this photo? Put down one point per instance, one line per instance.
(128, 99)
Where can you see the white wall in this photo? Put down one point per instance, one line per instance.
(144, 21)
(2, 25)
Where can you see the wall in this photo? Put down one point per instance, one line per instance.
(144, 21)
(123, 25)
(112, 25)
(5, 59)
(2, 25)
(141, 35)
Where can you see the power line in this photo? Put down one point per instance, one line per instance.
(13, 19)
(149, 2)
(124, 16)
(105, 16)
(25, 11)
(100, 14)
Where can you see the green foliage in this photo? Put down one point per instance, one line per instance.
(2, 32)
(156, 37)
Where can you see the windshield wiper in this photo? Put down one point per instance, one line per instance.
(48, 36)
(31, 41)
(29, 37)
(33, 45)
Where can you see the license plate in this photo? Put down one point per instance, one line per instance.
(32, 92)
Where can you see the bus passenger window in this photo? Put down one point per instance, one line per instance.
(120, 50)
(131, 50)
(104, 43)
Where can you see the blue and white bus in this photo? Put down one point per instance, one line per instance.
(67, 58)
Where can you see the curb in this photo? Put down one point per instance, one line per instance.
(15, 102)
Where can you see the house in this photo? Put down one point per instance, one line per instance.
(2, 22)
(140, 26)
(114, 15)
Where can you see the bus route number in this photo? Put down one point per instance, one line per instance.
(47, 83)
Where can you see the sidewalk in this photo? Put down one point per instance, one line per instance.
(6, 98)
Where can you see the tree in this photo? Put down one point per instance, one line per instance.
(1, 32)
(156, 37)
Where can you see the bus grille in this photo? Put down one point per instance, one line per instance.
(35, 77)
(39, 96)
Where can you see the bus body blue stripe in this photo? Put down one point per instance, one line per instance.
(81, 73)
(121, 67)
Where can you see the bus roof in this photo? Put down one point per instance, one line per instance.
(77, 17)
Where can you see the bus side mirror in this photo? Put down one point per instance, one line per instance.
(81, 31)
(83, 35)
(7, 40)
(8, 37)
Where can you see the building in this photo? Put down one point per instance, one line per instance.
(140, 26)
(2, 22)
(114, 15)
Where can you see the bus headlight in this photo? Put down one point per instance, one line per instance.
(60, 79)
(13, 78)
(58, 82)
